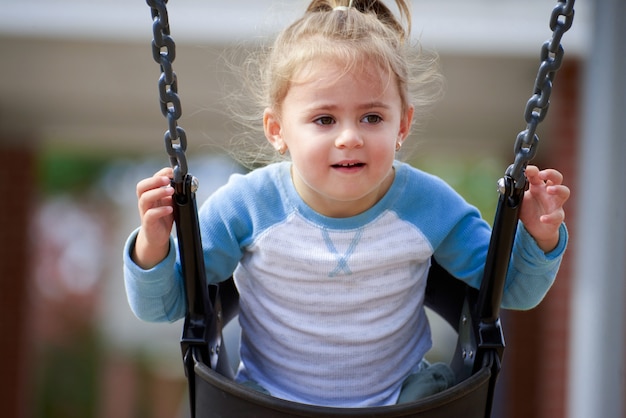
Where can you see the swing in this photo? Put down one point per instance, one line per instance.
(473, 314)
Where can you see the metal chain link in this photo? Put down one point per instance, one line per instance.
(537, 107)
(164, 53)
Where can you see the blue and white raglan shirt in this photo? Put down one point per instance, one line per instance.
(332, 308)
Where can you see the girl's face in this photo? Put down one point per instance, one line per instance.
(341, 129)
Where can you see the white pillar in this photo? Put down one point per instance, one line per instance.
(598, 324)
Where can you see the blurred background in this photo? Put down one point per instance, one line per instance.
(80, 124)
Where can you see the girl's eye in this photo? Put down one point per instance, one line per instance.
(372, 119)
(324, 120)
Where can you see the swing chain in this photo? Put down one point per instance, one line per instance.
(525, 148)
(537, 107)
(164, 53)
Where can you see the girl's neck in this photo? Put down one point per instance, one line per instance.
(333, 208)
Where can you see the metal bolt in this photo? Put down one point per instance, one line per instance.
(195, 184)
(502, 186)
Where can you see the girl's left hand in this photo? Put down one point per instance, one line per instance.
(542, 210)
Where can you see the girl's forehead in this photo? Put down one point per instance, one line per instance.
(322, 81)
(336, 71)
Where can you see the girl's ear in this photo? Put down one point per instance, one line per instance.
(406, 123)
(273, 130)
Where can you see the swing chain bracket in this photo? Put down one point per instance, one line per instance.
(164, 53)
(537, 106)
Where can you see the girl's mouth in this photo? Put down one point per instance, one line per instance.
(349, 165)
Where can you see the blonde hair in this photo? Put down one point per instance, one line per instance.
(367, 33)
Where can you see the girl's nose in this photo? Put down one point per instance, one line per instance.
(349, 138)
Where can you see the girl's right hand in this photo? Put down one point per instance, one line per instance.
(154, 196)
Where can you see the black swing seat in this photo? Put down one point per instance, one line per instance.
(214, 393)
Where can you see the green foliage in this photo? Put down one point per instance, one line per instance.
(62, 171)
(68, 378)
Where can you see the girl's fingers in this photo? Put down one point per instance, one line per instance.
(548, 176)
(551, 175)
(161, 196)
(155, 191)
(165, 171)
(560, 191)
(556, 217)
(152, 183)
(160, 179)
(532, 174)
(154, 214)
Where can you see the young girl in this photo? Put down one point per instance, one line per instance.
(330, 250)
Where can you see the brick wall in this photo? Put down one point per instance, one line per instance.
(16, 190)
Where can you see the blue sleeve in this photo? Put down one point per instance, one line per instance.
(531, 271)
(157, 294)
